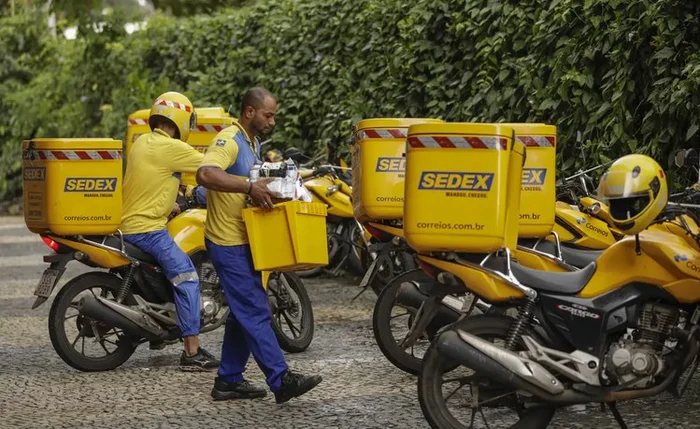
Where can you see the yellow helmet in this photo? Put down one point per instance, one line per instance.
(635, 189)
(177, 109)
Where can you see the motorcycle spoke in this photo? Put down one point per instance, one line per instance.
(83, 346)
(291, 325)
(455, 391)
(481, 411)
(77, 338)
(399, 315)
(98, 337)
(471, 425)
(110, 341)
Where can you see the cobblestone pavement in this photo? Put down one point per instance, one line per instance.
(360, 388)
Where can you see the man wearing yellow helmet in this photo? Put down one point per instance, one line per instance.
(151, 183)
(224, 173)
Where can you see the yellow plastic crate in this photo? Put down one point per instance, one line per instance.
(538, 195)
(378, 167)
(72, 186)
(210, 120)
(290, 237)
(462, 187)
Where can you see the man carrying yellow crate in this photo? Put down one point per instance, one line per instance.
(224, 170)
(151, 183)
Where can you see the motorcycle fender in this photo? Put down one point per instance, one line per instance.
(339, 204)
(101, 257)
(489, 287)
(187, 230)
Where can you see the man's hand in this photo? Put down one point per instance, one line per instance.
(261, 194)
(176, 209)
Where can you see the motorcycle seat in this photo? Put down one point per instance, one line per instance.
(131, 250)
(579, 258)
(567, 283)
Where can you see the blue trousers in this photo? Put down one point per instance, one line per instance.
(248, 327)
(180, 270)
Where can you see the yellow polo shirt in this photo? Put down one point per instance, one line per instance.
(152, 179)
(235, 153)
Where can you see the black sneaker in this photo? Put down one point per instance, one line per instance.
(242, 390)
(202, 361)
(294, 385)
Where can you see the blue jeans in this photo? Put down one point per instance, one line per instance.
(248, 327)
(180, 270)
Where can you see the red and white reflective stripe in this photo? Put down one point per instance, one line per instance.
(537, 141)
(78, 155)
(382, 133)
(138, 122)
(209, 128)
(461, 142)
(174, 104)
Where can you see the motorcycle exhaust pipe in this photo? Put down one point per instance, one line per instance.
(510, 369)
(499, 364)
(120, 316)
(409, 294)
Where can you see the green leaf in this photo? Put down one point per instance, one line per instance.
(691, 131)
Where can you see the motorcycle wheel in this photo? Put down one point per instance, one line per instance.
(118, 348)
(430, 385)
(384, 320)
(291, 308)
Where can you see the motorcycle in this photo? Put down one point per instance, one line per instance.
(430, 307)
(624, 327)
(133, 303)
(326, 185)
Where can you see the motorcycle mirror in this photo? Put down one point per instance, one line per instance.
(293, 153)
(679, 158)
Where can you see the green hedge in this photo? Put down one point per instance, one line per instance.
(624, 73)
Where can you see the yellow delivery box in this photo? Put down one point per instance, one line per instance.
(538, 195)
(210, 120)
(72, 186)
(378, 167)
(462, 187)
(289, 237)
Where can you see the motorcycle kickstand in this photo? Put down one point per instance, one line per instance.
(616, 414)
(364, 289)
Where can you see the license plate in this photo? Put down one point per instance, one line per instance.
(368, 274)
(47, 283)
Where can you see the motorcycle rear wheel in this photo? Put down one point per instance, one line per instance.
(430, 380)
(66, 350)
(382, 317)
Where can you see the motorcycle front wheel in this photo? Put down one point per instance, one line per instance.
(493, 400)
(292, 313)
(86, 344)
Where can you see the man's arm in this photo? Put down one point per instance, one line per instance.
(183, 158)
(221, 155)
(216, 179)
